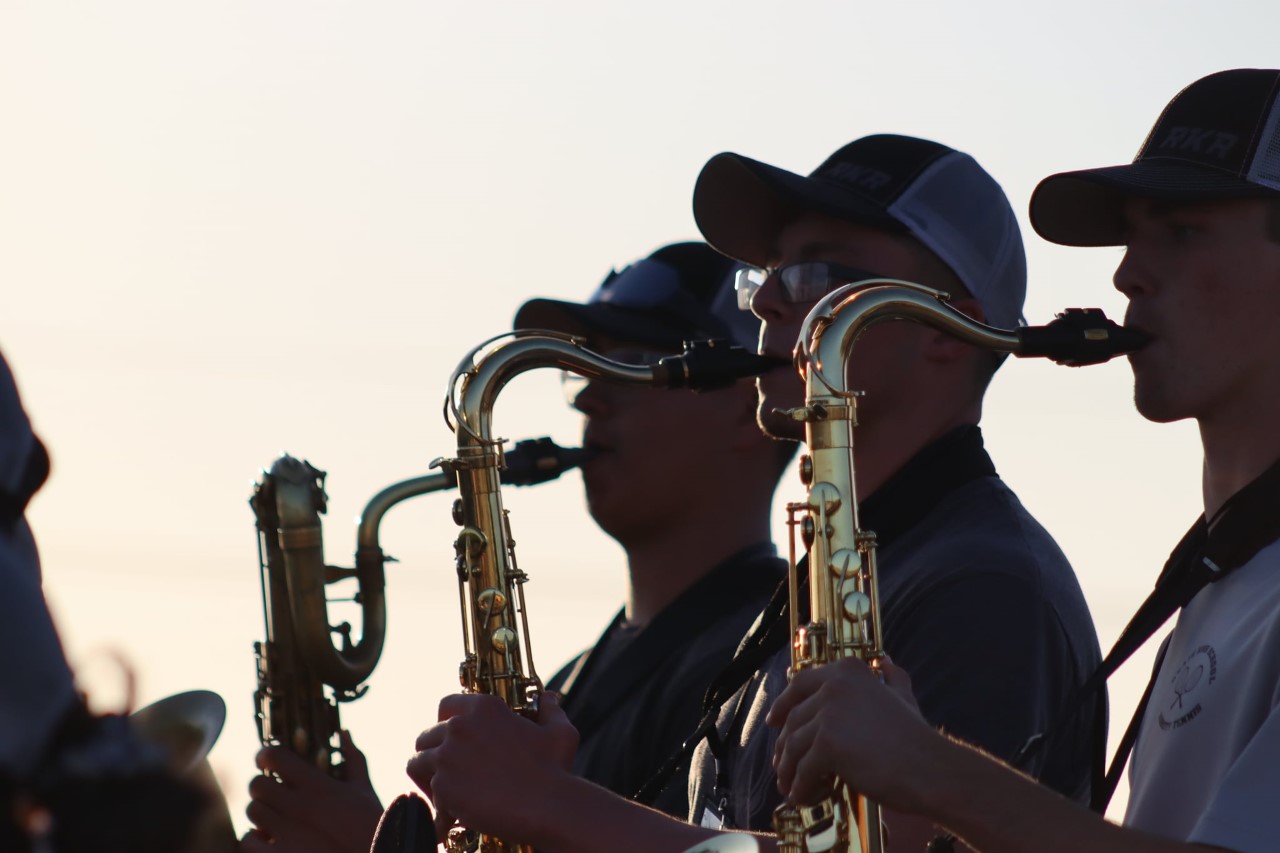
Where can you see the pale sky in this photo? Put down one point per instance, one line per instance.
(232, 229)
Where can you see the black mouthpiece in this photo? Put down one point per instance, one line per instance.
(539, 460)
(1079, 337)
(707, 365)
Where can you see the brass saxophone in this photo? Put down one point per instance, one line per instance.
(298, 659)
(843, 589)
(498, 657)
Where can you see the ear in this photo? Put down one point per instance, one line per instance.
(943, 348)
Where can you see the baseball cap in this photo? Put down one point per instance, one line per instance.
(681, 292)
(1219, 138)
(939, 195)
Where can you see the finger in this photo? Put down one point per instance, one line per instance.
(286, 836)
(264, 818)
(254, 841)
(816, 697)
(272, 793)
(549, 710)
(794, 742)
(444, 822)
(811, 779)
(895, 676)
(801, 686)
(355, 764)
(430, 738)
(421, 769)
(285, 763)
(464, 703)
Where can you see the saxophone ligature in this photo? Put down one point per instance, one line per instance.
(302, 676)
(844, 606)
(497, 654)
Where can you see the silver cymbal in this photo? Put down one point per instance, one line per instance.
(185, 724)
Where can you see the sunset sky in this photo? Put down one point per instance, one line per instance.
(237, 228)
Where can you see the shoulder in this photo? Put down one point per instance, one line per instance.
(981, 551)
(983, 527)
(565, 672)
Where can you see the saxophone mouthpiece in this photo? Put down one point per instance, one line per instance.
(539, 460)
(1079, 337)
(708, 365)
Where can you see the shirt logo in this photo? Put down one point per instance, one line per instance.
(1189, 683)
(1198, 140)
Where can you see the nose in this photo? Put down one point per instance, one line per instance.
(595, 400)
(1131, 276)
(768, 302)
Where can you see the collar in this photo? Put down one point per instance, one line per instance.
(917, 487)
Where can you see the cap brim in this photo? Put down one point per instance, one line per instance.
(1085, 208)
(601, 320)
(742, 205)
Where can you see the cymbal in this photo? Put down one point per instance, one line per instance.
(185, 724)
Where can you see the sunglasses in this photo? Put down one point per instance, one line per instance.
(807, 281)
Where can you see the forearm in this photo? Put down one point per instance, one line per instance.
(580, 817)
(997, 810)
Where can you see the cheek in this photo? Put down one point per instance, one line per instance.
(885, 350)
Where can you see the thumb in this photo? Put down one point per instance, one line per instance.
(549, 710)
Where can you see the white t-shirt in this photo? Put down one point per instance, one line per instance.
(1206, 766)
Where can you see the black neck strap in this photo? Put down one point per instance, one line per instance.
(1209, 551)
(1245, 524)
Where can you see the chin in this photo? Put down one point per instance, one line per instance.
(1158, 409)
(779, 392)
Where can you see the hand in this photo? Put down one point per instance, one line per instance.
(840, 720)
(298, 807)
(484, 766)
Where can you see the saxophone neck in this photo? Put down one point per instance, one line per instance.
(1076, 337)
(485, 371)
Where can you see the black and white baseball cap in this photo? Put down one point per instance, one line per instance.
(1219, 138)
(939, 195)
(681, 292)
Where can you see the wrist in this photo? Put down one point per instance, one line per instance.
(942, 772)
(550, 809)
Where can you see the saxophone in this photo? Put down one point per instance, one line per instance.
(497, 655)
(843, 589)
(298, 660)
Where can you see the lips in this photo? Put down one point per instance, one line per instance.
(1141, 327)
(597, 448)
(784, 359)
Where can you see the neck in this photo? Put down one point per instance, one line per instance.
(881, 448)
(664, 564)
(1237, 448)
